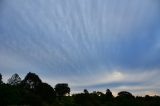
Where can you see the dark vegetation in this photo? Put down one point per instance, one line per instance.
(31, 91)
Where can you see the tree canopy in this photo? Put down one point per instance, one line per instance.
(32, 91)
(1, 78)
(14, 80)
(31, 80)
(62, 89)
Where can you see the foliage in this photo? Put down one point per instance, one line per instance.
(109, 95)
(62, 89)
(14, 80)
(42, 94)
(1, 78)
(31, 81)
(45, 91)
(86, 91)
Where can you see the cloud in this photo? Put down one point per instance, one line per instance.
(108, 41)
(117, 80)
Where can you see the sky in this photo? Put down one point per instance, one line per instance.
(89, 44)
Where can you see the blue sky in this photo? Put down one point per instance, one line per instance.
(93, 44)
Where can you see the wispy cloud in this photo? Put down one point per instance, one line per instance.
(84, 43)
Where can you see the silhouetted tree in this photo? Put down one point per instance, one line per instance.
(147, 97)
(31, 81)
(109, 95)
(37, 93)
(125, 94)
(1, 78)
(62, 89)
(99, 93)
(125, 98)
(85, 91)
(45, 91)
(14, 80)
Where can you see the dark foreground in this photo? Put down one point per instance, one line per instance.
(31, 91)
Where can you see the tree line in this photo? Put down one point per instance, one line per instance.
(32, 91)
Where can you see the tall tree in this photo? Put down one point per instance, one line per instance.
(62, 89)
(85, 91)
(1, 78)
(31, 80)
(14, 80)
(109, 95)
(45, 91)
